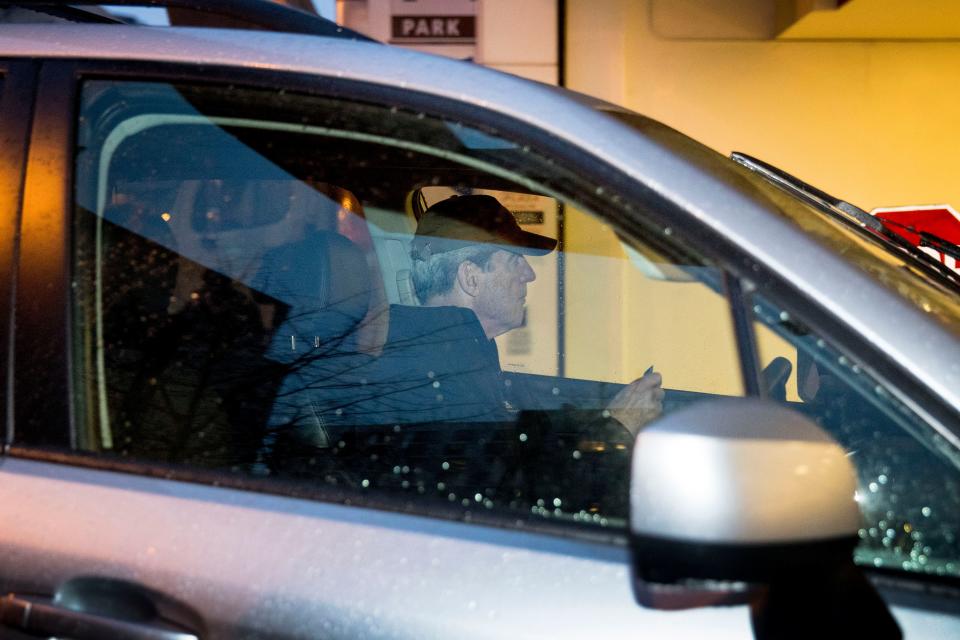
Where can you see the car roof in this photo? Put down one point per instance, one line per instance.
(712, 188)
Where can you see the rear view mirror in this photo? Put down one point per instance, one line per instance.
(745, 501)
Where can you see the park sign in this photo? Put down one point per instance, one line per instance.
(923, 225)
(426, 22)
(434, 29)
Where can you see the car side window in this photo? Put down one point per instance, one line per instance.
(300, 289)
(909, 472)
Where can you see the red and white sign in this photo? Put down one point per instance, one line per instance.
(941, 220)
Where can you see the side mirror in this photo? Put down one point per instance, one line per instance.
(746, 501)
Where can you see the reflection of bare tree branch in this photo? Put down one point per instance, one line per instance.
(358, 390)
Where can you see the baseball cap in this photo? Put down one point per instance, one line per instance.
(461, 221)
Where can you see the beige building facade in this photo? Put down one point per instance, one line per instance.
(859, 99)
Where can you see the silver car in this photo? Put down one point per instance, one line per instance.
(206, 250)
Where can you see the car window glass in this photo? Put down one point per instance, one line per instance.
(251, 297)
(909, 472)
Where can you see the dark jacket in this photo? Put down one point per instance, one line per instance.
(437, 365)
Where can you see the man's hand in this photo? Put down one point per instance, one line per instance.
(638, 403)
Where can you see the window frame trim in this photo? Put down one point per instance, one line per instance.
(41, 282)
(16, 107)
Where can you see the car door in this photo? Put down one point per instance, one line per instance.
(202, 290)
(169, 260)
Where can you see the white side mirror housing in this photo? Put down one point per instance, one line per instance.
(741, 472)
(746, 501)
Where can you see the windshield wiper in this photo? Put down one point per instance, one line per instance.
(929, 239)
(851, 214)
(807, 191)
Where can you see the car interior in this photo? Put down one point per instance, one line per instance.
(235, 291)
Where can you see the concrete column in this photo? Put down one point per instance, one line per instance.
(519, 37)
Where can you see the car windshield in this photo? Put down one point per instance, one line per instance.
(889, 234)
(901, 272)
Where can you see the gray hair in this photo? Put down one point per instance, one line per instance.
(435, 274)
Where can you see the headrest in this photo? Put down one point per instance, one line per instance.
(325, 281)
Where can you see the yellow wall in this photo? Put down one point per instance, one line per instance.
(861, 101)
(618, 322)
(593, 291)
(881, 19)
(875, 121)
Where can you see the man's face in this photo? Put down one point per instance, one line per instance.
(503, 292)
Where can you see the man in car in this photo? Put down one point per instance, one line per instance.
(440, 362)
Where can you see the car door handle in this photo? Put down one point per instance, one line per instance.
(48, 620)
